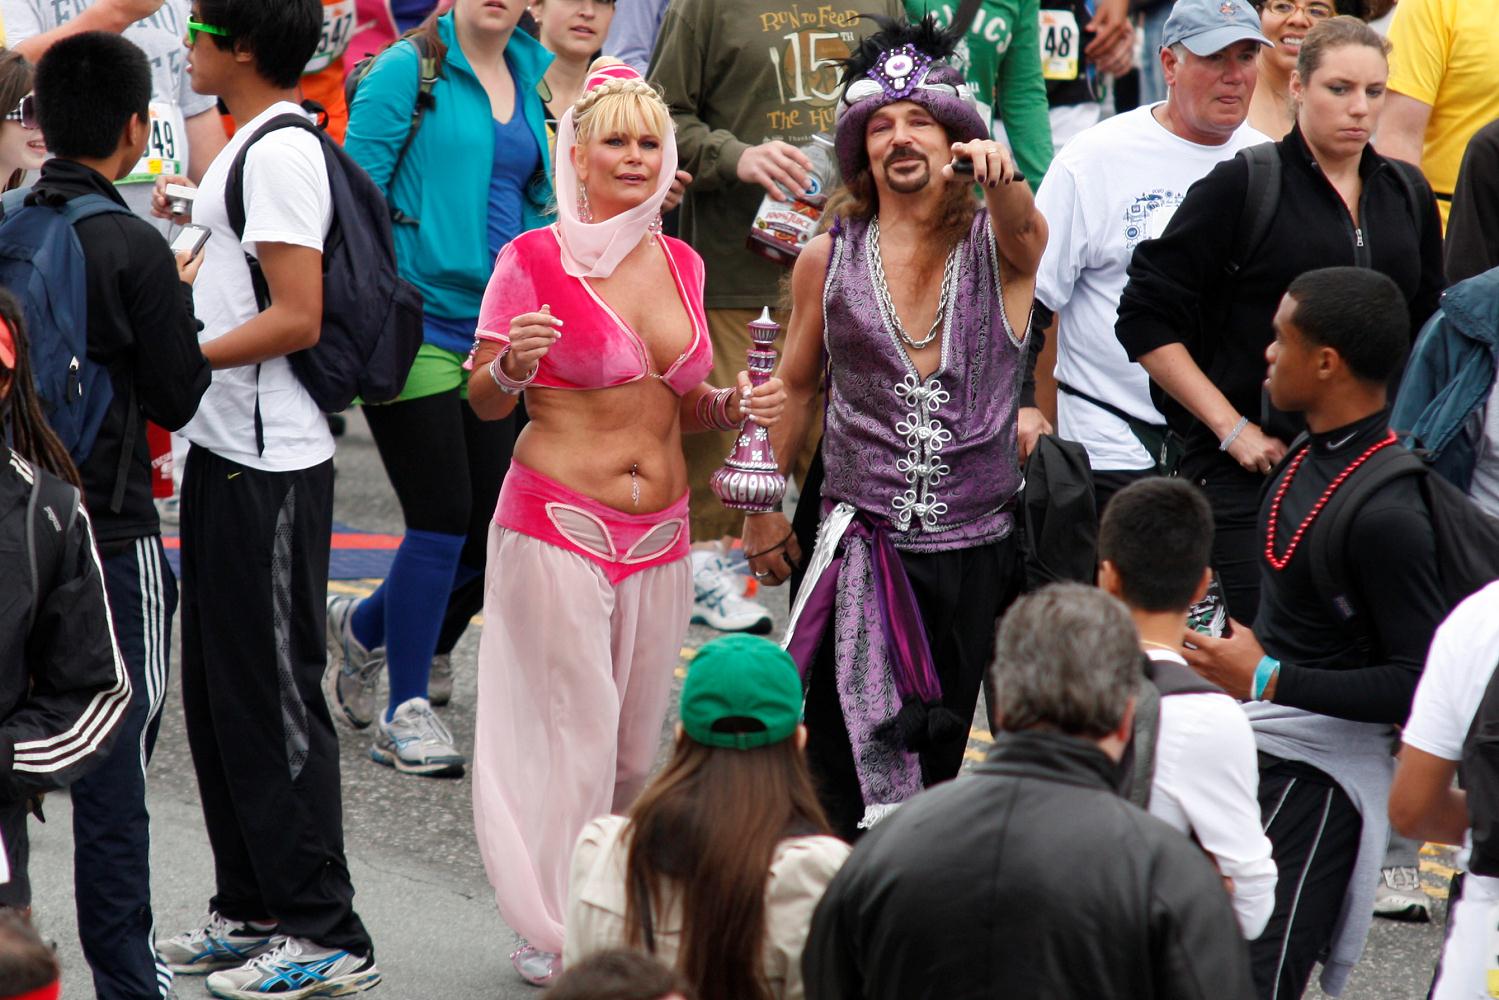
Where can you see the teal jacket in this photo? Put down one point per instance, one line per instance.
(444, 181)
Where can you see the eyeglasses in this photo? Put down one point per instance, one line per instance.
(25, 112)
(1314, 11)
(196, 28)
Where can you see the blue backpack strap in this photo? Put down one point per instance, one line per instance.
(12, 200)
(89, 205)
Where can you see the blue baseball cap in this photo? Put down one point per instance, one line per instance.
(1208, 26)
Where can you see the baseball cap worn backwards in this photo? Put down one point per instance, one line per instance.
(741, 692)
(1208, 26)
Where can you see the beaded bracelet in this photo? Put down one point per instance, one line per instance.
(506, 384)
(713, 410)
(1234, 434)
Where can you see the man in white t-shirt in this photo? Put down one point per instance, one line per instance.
(186, 132)
(1423, 802)
(1153, 547)
(257, 517)
(1115, 185)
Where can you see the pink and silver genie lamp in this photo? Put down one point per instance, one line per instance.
(749, 479)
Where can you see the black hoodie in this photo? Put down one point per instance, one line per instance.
(141, 327)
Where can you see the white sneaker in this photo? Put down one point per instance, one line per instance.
(717, 600)
(415, 741)
(296, 969)
(440, 680)
(351, 680)
(218, 944)
(1399, 896)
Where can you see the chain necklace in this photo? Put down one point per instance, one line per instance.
(882, 290)
(1280, 562)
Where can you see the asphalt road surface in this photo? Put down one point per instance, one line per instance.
(419, 880)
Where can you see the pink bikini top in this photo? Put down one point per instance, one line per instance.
(597, 349)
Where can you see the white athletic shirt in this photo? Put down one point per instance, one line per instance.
(1111, 187)
(1206, 782)
(286, 201)
(173, 99)
(1462, 658)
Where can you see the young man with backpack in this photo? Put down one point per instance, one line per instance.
(1450, 733)
(92, 93)
(257, 522)
(1192, 760)
(1356, 572)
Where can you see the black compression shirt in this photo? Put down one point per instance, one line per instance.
(1368, 675)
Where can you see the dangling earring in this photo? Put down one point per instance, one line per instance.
(654, 228)
(585, 214)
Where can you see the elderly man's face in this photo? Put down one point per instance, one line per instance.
(1210, 94)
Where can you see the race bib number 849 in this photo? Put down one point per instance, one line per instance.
(166, 146)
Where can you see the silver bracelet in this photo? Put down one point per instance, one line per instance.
(506, 384)
(1233, 434)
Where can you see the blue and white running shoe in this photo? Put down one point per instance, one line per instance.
(218, 944)
(295, 969)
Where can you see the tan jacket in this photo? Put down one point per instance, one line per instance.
(800, 870)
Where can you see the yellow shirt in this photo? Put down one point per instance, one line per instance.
(1446, 54)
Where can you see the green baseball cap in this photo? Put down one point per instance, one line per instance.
(749, 680)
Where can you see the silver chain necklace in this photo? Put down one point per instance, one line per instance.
(882, 290)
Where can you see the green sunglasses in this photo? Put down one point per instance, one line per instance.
(196, 28)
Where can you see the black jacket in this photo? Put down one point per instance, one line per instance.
(63, 687)
(1178, 285)
(1473, 223)
(1028, 878)
(141, 327)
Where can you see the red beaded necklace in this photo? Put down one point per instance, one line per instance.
(1279, 562)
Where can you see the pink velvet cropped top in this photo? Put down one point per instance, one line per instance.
(597, 349)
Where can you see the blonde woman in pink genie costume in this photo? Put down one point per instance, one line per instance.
(599, 320)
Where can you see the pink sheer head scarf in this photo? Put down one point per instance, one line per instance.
(594, 249)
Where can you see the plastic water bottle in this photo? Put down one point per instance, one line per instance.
(782, 228)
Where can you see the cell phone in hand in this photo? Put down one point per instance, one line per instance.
(964, 165)
(190, 241)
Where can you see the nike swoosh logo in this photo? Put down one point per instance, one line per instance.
(233, 474)
(1335, 445)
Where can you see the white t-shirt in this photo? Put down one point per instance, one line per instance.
(173, 99)
(1484, 488)
(1461, 660)
(286, 201)
(1206, 782)
(1110, 188)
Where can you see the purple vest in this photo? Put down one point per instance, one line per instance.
(936, 459)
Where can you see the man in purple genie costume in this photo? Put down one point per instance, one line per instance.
(916, 305)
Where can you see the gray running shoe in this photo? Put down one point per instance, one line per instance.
(296, 969)
(218, 944)
(440, 682)
(416, 742)
(1399, 896)
(351, 680)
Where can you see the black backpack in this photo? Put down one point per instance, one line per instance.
(51, 509)
(1478, 774)
(1163, 678)
(372, 317)
(1467, 539)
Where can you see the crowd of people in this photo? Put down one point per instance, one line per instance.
(1139, 374)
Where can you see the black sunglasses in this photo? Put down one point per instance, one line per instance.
(25, 112)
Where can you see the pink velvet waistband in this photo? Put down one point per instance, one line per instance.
(619, 543)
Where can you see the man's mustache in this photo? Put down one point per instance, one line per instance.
(904, 153)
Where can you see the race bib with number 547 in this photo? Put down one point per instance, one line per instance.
(166, 146)
(1060, 41)
(338, 28)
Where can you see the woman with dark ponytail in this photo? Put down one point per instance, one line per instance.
(63, 690)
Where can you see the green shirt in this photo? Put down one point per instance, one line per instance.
(1001, 56)
(735, 74)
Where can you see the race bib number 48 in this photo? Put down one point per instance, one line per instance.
(166, 146)
(338, 28)
(1060, 41)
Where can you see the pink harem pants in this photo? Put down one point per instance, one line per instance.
(574, 679)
